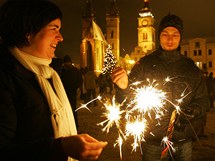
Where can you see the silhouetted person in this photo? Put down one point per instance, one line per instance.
(72, 81)
(90, 85)
(211, 89)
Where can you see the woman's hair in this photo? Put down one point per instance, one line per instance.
(20, 18)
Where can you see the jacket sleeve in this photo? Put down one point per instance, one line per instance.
(193, 114)
(199, 102)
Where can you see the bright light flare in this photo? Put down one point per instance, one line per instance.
(136, 129)
(149, 98)
(119, 142)
(113, 115)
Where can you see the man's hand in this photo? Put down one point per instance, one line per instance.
(120, 78)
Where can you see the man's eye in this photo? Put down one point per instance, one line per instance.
(164, 34)
(176, 35)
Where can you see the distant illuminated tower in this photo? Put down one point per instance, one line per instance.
(146, 30)
(112, 28)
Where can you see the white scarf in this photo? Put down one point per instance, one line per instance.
(61, 112)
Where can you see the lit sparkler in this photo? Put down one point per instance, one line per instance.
(136, 128)
(85, 105)
(113, 115)
(147, 99)
(119, 142)
(168, 146)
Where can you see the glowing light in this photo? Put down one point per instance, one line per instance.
(168, 146)
(109, 61)
(112, 113)
(119, 142)
(136, 128)
(85, 105)
(149, 98)
(147, 101)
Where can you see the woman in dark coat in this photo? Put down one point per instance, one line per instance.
(36, 120)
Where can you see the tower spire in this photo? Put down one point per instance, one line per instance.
(146, 10)
(113, 10)
(89, 12)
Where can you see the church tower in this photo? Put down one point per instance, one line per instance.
(93, 43)
(86, 47)
(112, 28)
(146, 30)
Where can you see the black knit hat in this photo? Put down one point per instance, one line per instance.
(171, 20)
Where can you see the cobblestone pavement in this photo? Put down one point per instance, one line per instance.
(203, 149)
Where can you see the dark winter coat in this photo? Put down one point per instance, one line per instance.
(26, 132)
(185, 77)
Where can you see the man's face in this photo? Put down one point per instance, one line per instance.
(170, 38)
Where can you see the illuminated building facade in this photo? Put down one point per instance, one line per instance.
(201, 51)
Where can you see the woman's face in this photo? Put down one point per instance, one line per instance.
(44, 43)
(170, 38)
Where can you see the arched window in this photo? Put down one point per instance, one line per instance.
(145, 36)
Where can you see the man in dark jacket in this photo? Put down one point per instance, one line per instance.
(184, 78)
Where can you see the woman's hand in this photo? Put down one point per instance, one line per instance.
(82, 147)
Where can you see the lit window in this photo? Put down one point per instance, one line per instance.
(199, 64)
(145, 36)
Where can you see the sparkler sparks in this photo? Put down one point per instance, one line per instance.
(119, 142)
(113, 115)
(168, 145)
(136, 129)
(149, 98)
(85, 105)
(146, 100)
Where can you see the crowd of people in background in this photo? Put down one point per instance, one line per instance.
(81, 83)
(89, 85)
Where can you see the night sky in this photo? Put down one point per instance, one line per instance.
(198, 17)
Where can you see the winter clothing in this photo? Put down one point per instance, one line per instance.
(26, 130)
(185, 78)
